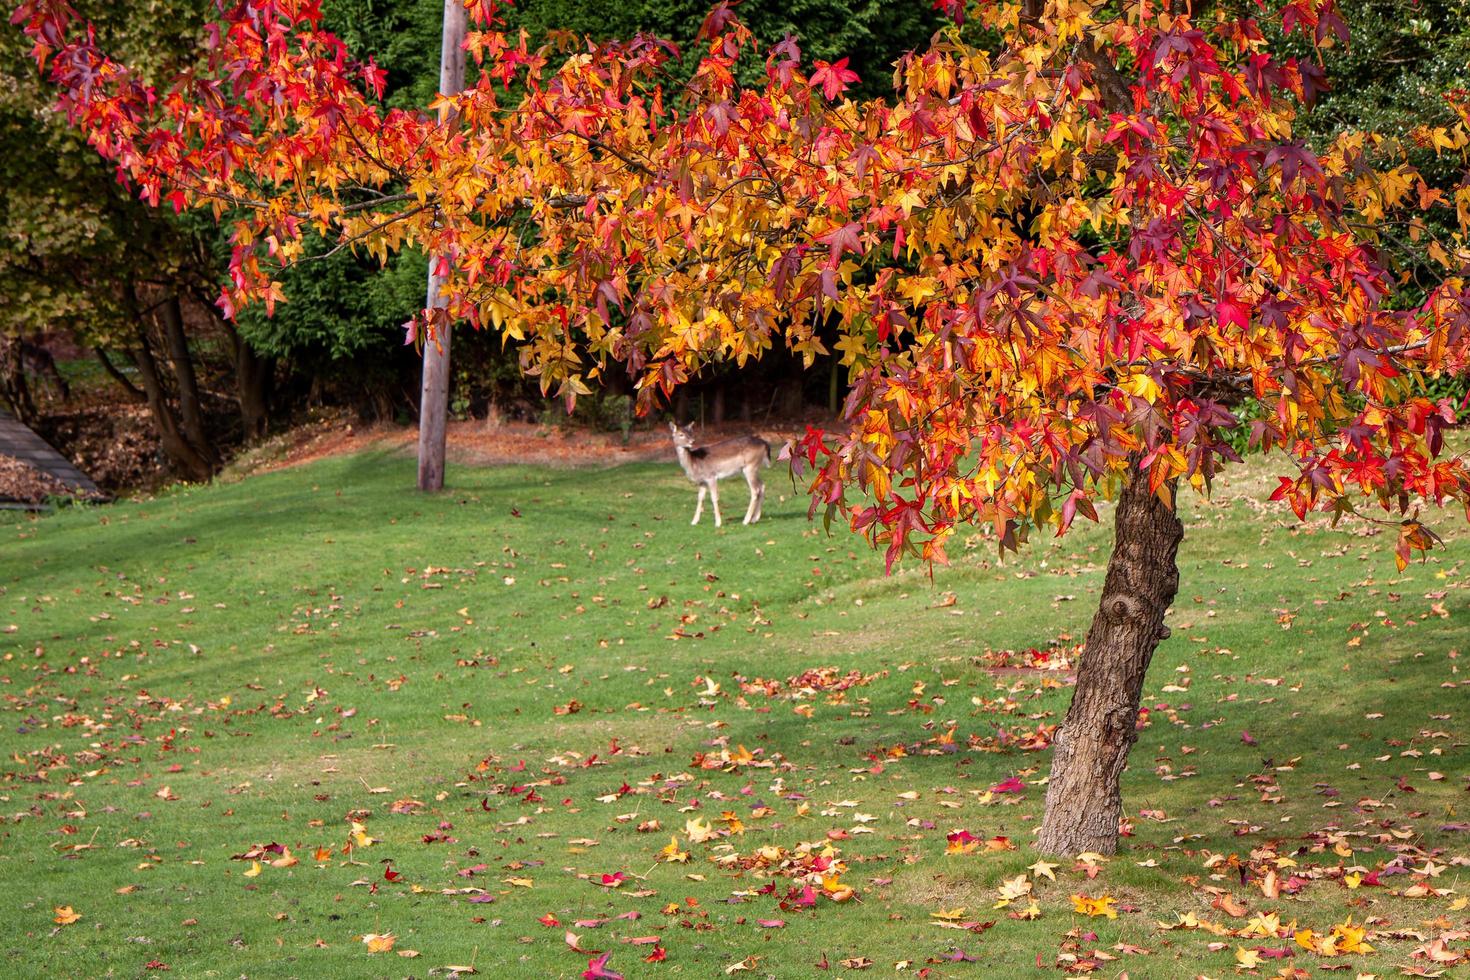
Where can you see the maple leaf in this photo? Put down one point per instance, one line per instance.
(698, 831)
(597, 969)
(1102, 905)
(1043, 869)
(1012, 889)
(1348, 938)
(1232, 313)
(672, 854)
(833, 78)
(65, 915)
(1229, 905)
(378, 942)
(359, 835)
(842, 239)
(835, 889)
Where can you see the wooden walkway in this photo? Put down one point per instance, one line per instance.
(19, 442)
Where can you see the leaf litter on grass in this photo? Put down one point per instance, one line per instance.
(703, 807)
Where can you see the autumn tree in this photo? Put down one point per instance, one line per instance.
(1054, 261)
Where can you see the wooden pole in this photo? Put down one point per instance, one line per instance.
(434, 396)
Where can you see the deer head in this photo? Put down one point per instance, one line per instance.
(683, 436)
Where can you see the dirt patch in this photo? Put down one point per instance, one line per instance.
(473, 443)
(1063, 677)
(928, 890)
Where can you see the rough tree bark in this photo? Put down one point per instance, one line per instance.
(254, 377)
(184, 457)
(1090, 750)
(434, 395)
(13, 387)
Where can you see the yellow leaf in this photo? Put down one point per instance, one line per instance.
(1348, 938)
(65, 915)
(672, 854)
(254, 870)
(1247, 959)
(1012, 889)
(360, 836)
(1103, 905)
(377, 943)
(1263, 926)
(835, 889)
(1043, 870)
(698, 831)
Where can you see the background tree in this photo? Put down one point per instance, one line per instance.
(335, 333)
(1052, 262)
(85, 257)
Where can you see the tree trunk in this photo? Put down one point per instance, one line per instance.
(13, 387)
(184, 457)
(1084, 801)
(434, 395)
(793, 396)
(253, 378)
(717, 406)
(191, 414)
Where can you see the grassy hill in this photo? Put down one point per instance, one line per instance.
(474, 722)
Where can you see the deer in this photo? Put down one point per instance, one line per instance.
(704, 465)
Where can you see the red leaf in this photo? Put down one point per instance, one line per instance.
(597, 969)
(833, 78)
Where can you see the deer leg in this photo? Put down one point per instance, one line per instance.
(699, 507)
(760, 497)
(714, 500)
(752, 480)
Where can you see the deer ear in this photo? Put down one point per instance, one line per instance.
(673, 427)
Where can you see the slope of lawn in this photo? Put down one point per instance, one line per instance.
(491, 725)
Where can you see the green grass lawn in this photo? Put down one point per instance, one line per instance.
(542, 676)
